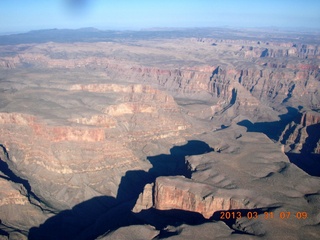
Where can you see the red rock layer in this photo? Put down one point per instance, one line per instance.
(185, 194)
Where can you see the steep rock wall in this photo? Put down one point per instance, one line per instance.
(274, 74)
(303, 135)
(176, 193)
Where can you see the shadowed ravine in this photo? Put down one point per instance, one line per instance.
(305, 160)
(99, 215)
(272, 129)
(13, 177)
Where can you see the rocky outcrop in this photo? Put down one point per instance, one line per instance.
(145, 199)
(310, 118)
(302, 135)
(16, 209)
(212, 187)
(183, 194)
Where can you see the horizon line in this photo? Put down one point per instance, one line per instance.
(120, 29)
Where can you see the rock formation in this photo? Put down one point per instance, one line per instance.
(303, 135)
(185, 194)
(145, 200)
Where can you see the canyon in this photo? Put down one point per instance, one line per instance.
(159, 134)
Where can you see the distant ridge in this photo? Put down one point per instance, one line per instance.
(90, 34)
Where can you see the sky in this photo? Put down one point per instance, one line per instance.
(26, 15)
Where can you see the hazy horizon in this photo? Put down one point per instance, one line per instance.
(30, 15)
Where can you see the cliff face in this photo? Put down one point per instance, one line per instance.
(278, 73)
(230, 180)
(303, 135)
(19, 209)
(310, 118)
(180, 193)
(249, 90)
(183, 194)
(16, 210)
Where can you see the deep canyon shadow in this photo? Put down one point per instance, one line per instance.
(308, 162)
(99, 215)
(172, 164)
(272, 129)
(305, 160)
(12, 176)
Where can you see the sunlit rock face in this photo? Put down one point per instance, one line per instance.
(159, 134)
(174, 193)
(229, 180)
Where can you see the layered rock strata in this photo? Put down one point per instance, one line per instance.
(272, 79)
(184, 194)
(303, 135)
(83, 148)
(242, 176)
